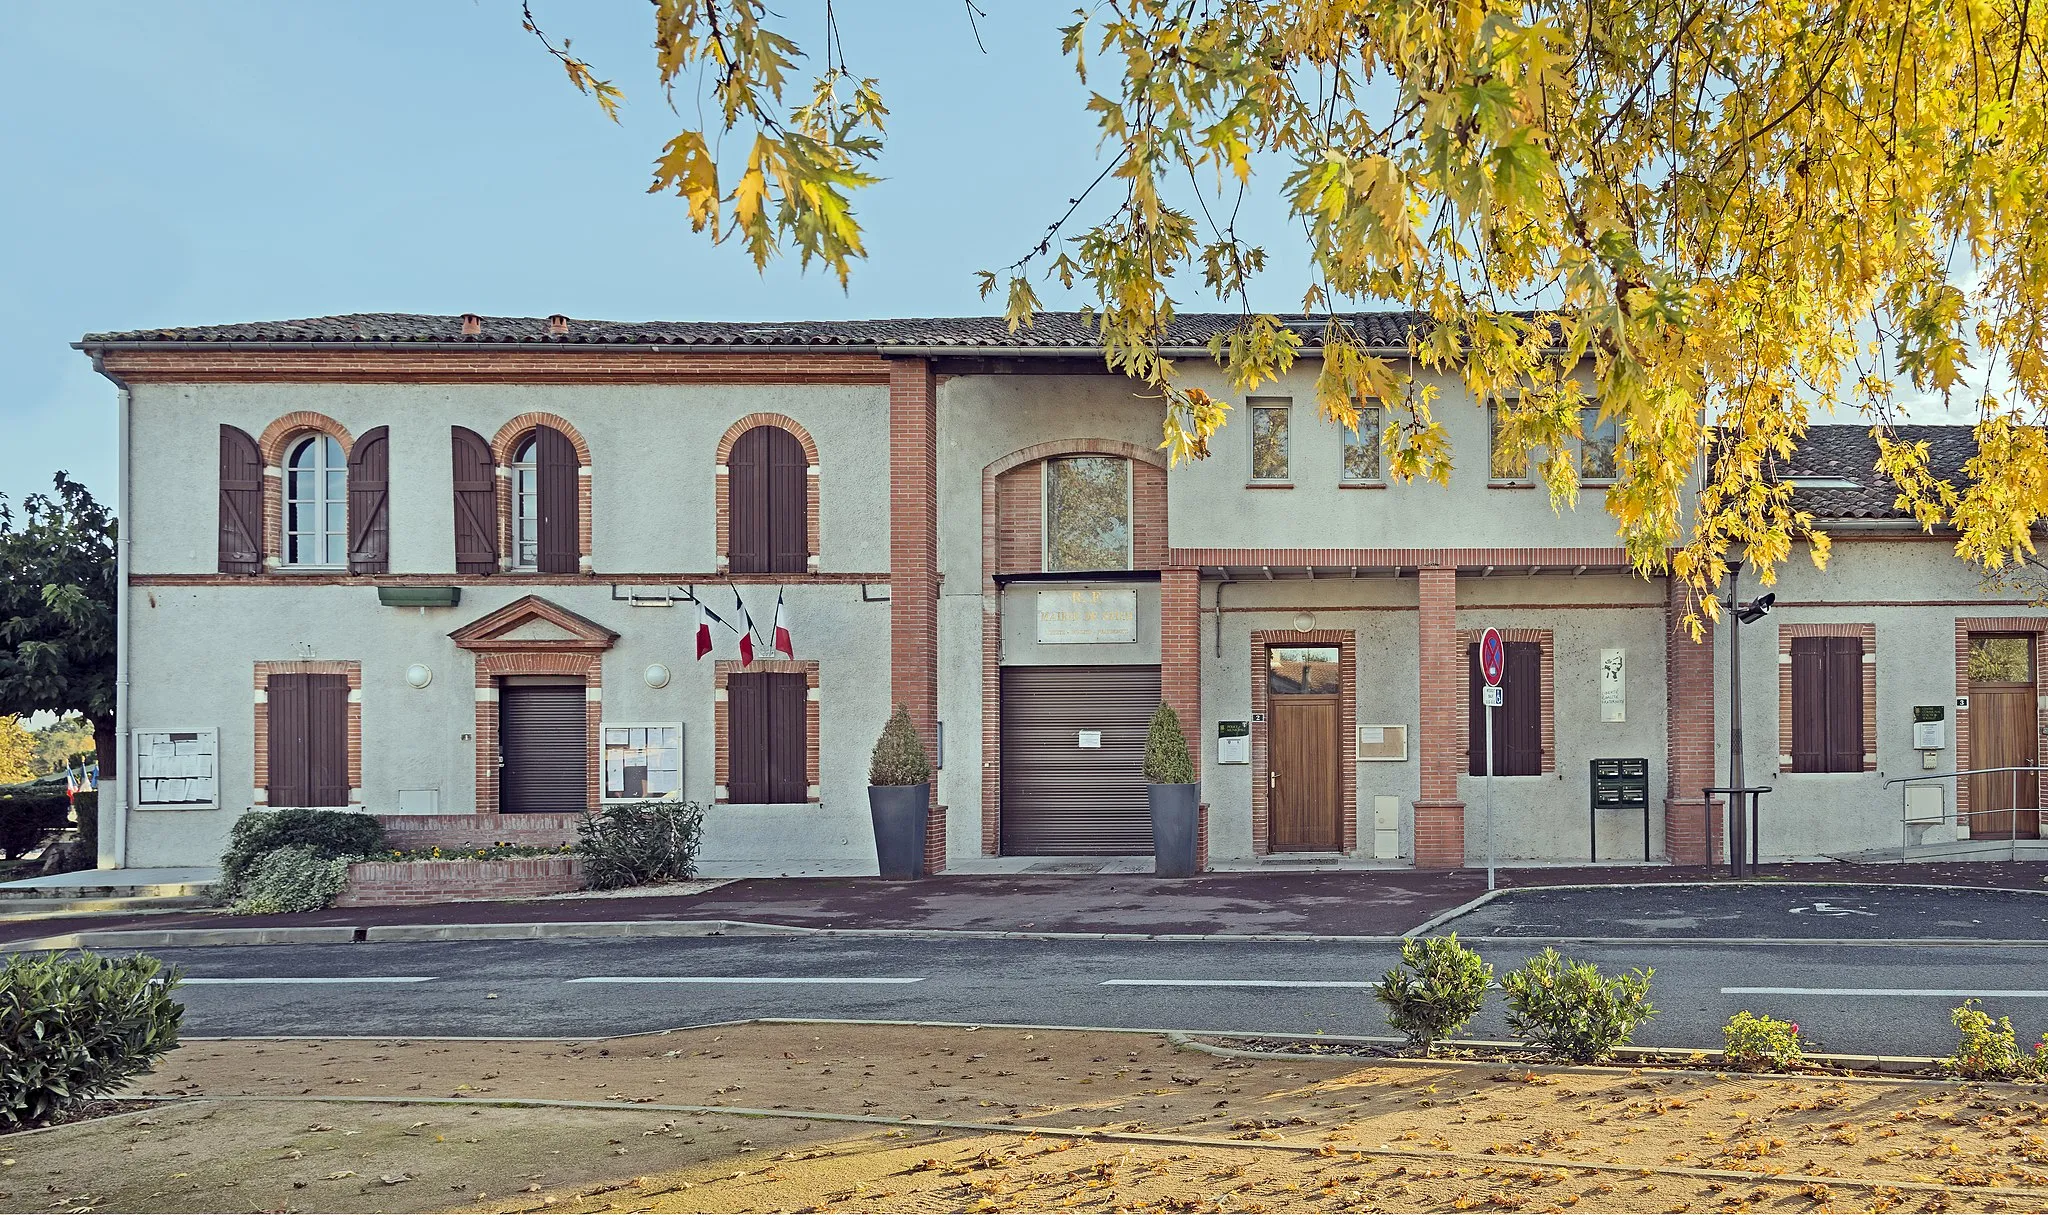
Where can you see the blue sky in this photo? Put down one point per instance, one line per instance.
(251, 159)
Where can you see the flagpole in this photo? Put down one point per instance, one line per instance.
(753, 629)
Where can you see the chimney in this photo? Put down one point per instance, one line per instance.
(472, 324)
(558, 325)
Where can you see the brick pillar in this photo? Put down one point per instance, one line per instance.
(913, 545)
(1439, 815)
(935, 839)
(1688, 736)
(1180, 653)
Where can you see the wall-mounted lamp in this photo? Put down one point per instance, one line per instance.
(656, 676)
(1304, 622)
(419, 675)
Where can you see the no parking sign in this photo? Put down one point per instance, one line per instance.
(1492, 665)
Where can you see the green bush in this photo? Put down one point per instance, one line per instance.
(30, 814)
(1166, 751)
(1755, 1044)
(1573, 1011)
(899, 757)
(1986, 1049)
(73, 1028)
(86, 809)
(640, 844)
(1438, 988)
(329, 834)
(295, 878)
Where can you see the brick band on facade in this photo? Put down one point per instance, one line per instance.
(1692, 829)
(1439, 815)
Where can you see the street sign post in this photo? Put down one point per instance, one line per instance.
(1492, 665)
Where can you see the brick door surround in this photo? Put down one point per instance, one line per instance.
(1346, 641)
(577, 653)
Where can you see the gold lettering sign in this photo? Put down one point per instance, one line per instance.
(1087, 617)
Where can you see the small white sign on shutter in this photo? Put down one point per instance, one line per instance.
(1089, 740)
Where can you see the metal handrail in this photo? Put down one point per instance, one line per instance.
(2013, 824)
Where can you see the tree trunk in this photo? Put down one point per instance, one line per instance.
(103, 742)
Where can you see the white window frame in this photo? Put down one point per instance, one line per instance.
(320, 501)
(1528, 476)
(1045, 509)
(1286, 406)
(524, 487)
(1344, 434)
(142, 762)
(1614, 421)
(604, 745)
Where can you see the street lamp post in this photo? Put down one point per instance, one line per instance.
(1741, 613)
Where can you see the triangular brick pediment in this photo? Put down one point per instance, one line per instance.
(533, 623)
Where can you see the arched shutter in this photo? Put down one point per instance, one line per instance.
(241, 503)
(748, 542)
(788, 550)
(369, 503)
(476, 504)
(555, 463)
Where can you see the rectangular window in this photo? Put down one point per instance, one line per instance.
(1302, 670)
(1827, 704)
(1506, 463)
(1269, 440)
(2001, 659)
(1362, 448)
(308, 723)
(1517, 723)
(641, 761)
(765, 739)
(1597, 443)
(1088, 513)
(525, 516)
(177, 769)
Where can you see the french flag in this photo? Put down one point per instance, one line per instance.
(704, 619)
(747, 633)
(783, 645)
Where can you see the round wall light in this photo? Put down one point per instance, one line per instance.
(419, 675)
(656, 676)
(1304, 622)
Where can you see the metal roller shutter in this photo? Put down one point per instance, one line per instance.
(543, 735)
(1061, 799)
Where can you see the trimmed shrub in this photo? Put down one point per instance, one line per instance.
(1438, 988)
(1985, 1049)
(1573, 1011)
(1166, 751)
(329, 834)
(1758, 1044)
(30, 814)
(85, 808)
(640, 844)
(296, 878)
(899, 757)
(76, 1027)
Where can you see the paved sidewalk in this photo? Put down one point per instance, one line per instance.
(1380, 903)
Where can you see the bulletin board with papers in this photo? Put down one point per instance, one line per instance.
(177, 769)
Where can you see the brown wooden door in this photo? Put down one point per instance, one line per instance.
(1302, 780)
(2004, 733)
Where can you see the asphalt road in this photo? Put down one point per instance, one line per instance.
(1869, 998)
(1760, 911)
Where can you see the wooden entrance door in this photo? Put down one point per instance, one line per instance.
(1303, 755)
(2004, 733)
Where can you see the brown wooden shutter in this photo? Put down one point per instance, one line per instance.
(326, 740)
(1845, 704)
(241, 503)
(286, 701)
(369, 503)
(1810, 704)
(788, 702)
(749, 542)
(555, 465)
(788, 550)
(747, 734)
(1521, 711)
(476, 503)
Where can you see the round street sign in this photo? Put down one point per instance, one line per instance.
(1492, 657)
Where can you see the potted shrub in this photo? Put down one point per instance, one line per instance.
(1174, 795)
(899, 797)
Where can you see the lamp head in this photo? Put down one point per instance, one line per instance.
(1756, 609)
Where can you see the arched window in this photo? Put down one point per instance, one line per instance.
(525, 507)
(316, 504)
(770, 503)
(543, 502)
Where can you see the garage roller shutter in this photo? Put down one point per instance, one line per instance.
(544, 737)
(1062, 799)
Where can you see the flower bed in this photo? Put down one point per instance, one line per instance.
(394, 883)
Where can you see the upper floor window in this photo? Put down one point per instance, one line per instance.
(544, 493)
(316, 504)
(1269, 440)
(1088, 513)
(1597, 443)
(1505, 462)
(770, 503)
(526, 506)
(1362, 448)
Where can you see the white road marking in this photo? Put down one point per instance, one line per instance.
(1884, 991)
(836, 979)
(1229, 983)
(192, 982)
